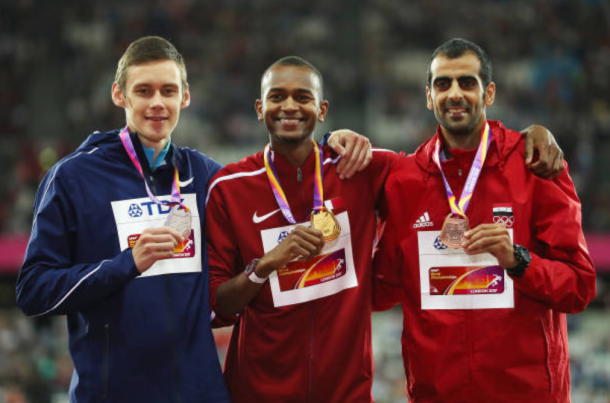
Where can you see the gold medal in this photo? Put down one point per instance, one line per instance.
(325, 221)
(452, 233)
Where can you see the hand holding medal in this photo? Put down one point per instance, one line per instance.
(456, 223)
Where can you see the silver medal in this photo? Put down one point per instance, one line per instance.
(180, 220)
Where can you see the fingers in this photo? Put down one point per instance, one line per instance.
(550, 162)
(308, 242)
(361, 157)
(303, 243)
(334, 142)
(155, 244)
(556, 165)
(164, 231)
(347, 156)
(355, 151)
(490, 238)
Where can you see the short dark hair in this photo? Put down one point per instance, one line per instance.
(149, 49)
(457, 47)
(299, 62)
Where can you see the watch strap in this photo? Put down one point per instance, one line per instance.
(249, 271)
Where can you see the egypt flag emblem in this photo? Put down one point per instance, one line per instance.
(503, 213)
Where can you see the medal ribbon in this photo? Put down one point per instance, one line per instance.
(278, 192)
(131, 151)
(460, 207)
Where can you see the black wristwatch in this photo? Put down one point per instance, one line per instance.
(523, 258)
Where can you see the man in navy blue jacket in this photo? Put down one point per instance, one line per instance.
(138, 312)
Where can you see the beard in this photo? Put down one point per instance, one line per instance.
(461, 127)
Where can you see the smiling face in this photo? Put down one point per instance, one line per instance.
(457, 95)
(291, 104)
(152, 98)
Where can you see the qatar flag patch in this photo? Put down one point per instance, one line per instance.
(334, 204)
(503, 213)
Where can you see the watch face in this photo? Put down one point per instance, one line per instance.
(251, 266)
(523, 258)
(522, 254)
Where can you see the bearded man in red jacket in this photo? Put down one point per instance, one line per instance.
(485, 257)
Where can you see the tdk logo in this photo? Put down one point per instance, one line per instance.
(423, 221)
(134, 211)
(151, 208)
(282, 236)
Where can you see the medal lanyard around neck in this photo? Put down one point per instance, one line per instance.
(278, 192)
(460, 207)
(131, 151)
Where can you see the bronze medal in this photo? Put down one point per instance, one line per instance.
(452, 233)
(180, 220)
(325, 221)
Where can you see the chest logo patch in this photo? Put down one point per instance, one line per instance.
(259, 219)
(423, 221)
(503, 214)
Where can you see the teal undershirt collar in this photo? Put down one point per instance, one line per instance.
(150, 154)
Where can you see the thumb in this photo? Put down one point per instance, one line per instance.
(339, 149)
(334, 142)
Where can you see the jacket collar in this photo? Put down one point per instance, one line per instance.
(502, 144)
(110, 144)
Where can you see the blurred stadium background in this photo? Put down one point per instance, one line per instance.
(57, 62)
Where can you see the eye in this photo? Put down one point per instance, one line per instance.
(304, 98)
(468, 83)
(275, 97)
(442, 85)
(170, 91)
(142, 91)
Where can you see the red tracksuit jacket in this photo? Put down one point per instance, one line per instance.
(314, 351)
(517, 354)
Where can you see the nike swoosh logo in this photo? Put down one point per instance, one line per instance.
(260, 219)
(186, 182)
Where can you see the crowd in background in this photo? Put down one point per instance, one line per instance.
(57, 61)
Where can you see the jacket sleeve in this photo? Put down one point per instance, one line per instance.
(223, 255)
(50, 282)
(381, 165)
(387, 262)
(561, 272)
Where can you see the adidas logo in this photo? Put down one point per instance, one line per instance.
(423, 221)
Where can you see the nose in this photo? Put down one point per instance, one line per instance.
(455, 92)
(289, 104)
(157, 100)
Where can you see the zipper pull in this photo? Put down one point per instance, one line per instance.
(299, 175)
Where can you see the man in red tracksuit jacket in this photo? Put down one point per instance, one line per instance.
(483, 321)
(304, 330)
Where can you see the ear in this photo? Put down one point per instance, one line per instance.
(323, 111)
(117, 96)
(258, 106)
(490, 94)
(429, 102)
(186, 99)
